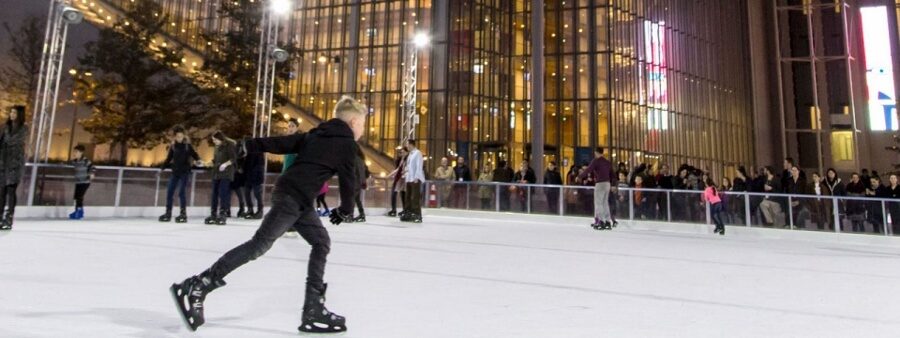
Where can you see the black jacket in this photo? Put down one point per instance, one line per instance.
(180, 158)
(324, 151)
(504, 175)
(529, 176)
(462, 173)
(552, 177)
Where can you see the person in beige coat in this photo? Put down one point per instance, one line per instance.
(444, 177)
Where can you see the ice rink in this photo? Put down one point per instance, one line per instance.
(453, 276)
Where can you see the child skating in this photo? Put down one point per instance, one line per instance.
(84, 173)
(327, 150)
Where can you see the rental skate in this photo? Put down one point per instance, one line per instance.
(189, 296)
(316, 318)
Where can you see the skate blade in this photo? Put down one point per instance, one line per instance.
(322, 328)
(184, 318)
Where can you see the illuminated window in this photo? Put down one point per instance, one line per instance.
(842, 146)
(879, 69)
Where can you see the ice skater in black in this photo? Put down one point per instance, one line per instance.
(180, 158)
(327, 150)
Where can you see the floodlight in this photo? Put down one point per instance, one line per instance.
(71, 15)
(421, 39)
(279, 55)
(280, 7)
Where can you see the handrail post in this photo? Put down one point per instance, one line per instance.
(497, 197)
(119, 186)
(669, 206)
(748, 216)
(631, 205)
(193, 186)
(791, 212)
(884, 219)
(156, 194)
(708, 212)
(561, 200)
(528, 199)
(468, 197)
(33, 184)
(837, 215)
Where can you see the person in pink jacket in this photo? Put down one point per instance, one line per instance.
(711, 196)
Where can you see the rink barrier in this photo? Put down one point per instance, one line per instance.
(791, 212)
(489, 217)
(52, 185)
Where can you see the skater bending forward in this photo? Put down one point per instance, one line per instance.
(327, 150)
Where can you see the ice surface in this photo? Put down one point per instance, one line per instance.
(449, 277)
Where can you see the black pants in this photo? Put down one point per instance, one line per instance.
(413, 198)
(242, 196)
(394, 199)
(504, 198)
(80, 190)
(285, 213)
(320, 202)
(252, 191)
(221, 196)
(553, 200)
(8, 198)
(359, 203)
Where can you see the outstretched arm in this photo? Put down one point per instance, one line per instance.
(281, 145)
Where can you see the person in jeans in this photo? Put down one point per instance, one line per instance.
(84, 173)
(180, 158)
(415, 176)
(711, 196)
(856, 209)
(223, 169)
(820, 209)
(604, 179)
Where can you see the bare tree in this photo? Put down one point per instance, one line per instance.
(19, 78)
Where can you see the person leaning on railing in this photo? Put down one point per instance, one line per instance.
(856, 210)
(893, 190)
(820, 208)
(875, 214)
(552, 177)
(769, 207)
(485, 191)
(443, 175)
(461, 173)
(797, 186)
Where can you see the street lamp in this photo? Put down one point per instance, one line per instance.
(269, 56)
(410, 116)
(59, 17)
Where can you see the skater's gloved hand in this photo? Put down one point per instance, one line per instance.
(338, 216)
(223, 166)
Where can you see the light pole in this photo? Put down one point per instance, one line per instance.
(59, 16)
(410, 76)
(269, 55)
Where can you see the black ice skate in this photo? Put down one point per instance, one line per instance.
(5, 226)
(189, 296)
(257, 215)
(241, 213)
(210, 220)
(222, 217)
(360, 219)
(392, 213)
(316, 318)
(182, 218)
(166, 217)
(7, 221)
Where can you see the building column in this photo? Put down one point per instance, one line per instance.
(351, 73)
(537, 88)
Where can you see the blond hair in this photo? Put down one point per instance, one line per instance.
(347, 108)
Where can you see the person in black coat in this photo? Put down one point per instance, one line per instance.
(254, 165)
(12, 162)
(324, 151)
(525, 175)
(856, 209)
(874, 210)
(503, 174)
(363, 174)
(180, 158)
(463, 174)
(893, 193)
(552, 177)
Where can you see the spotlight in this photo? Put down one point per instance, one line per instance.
(280, 7)
(71, 15)
(421, 39)
(279, 55)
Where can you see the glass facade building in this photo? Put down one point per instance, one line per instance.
(659, 81)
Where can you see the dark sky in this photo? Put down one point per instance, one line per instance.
(13, 12)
